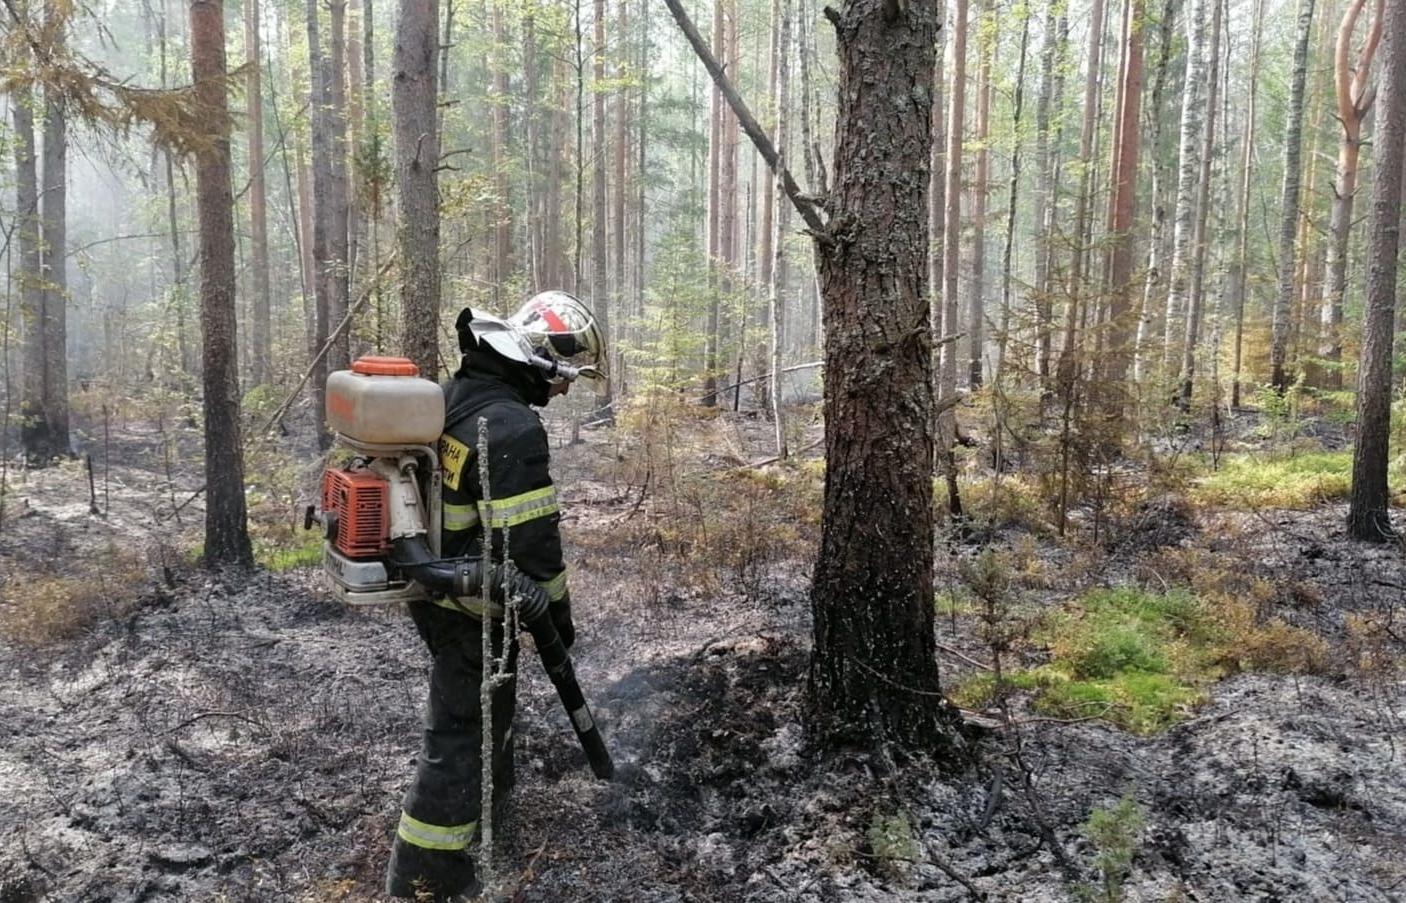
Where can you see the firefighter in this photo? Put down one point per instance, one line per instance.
(509, 367)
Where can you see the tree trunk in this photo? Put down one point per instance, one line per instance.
(1148, 316)
(226, 532)
(1003, 337)
(1193, 112)
(727, 182)
(937, 202)
(413, 97)
(338, 213)
(782, 221)
(620, 154)
(502, 207)
(321, 199)
(600, 289)
(986, 27)
(1369, 515)
(1354, 99)
(1068, 355)
(873, 675)
(1044, 185)
(1240, 273)
(1200, 246)
(714, 217)
(306, 261)
(952, 237)
(258, 197)
(1123, 206)
(37, 435)
(1289, 201)
(53, 205)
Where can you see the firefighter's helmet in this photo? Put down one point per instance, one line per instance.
(562, 329)
(553, 331)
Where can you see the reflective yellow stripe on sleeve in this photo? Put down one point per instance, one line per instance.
(519, 509)
(434, 837)
(460, 517)
(555, 587)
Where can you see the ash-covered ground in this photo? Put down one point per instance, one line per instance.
(248, 739)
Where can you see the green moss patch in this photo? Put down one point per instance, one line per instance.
(1139, 659)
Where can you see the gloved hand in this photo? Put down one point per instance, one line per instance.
(561, 619)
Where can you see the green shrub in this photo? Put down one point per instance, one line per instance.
(1114, 833)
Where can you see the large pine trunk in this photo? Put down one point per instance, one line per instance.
(873, 675)
(1368, 513)
(226, 533)
(413, 97)
(35, 436)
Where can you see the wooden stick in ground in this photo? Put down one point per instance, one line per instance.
(807, 208)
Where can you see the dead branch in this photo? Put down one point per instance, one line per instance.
(808, 211)
(201, 716)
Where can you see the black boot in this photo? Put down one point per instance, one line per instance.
(438, 875)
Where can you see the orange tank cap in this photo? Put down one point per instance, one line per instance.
(371, 365)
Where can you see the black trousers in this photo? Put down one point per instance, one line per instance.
(441, 810)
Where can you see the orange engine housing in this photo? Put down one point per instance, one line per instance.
(359, 499)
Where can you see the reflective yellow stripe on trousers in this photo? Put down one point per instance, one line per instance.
(434, 837)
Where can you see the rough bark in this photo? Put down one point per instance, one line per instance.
(258, 197)
(413, 98)
(1368, 504)
(226, 532)
(1289, 201)
(873, 675)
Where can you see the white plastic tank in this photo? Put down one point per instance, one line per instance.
(383, 400)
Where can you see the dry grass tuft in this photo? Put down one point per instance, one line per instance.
(41, 609)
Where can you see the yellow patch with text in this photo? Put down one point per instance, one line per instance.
(453, 455)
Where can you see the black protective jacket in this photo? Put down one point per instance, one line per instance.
(520, 504)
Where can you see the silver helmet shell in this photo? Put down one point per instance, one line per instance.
(558, 327)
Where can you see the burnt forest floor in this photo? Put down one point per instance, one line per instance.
(177, 735)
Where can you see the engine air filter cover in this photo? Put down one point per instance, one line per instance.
(359, 502)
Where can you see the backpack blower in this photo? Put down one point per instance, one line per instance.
(381, 516)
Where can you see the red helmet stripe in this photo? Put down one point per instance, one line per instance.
(554, 322)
